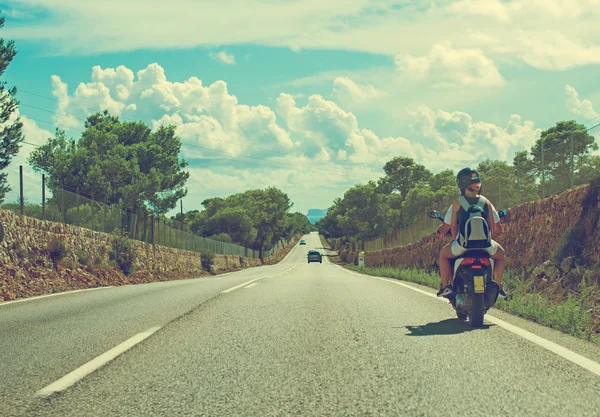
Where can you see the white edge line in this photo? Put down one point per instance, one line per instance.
(252, 280)
(240, 285)
(89, 367)
(254, 284)
(22, 300)
(557, 349)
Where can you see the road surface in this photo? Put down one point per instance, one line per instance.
(288, 339)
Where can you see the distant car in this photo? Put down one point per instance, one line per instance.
(314, 256)
(302, 242)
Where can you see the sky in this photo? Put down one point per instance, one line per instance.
(309, 96)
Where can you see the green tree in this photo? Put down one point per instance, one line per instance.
(117, 162)
(556, 144)
(401, 175)
(587, 170)
(254, 218)
(11, 135)
(499, 183)
(525, 173)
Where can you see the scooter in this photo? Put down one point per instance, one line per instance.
(474, 289)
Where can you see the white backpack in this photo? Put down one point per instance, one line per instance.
(476, 230)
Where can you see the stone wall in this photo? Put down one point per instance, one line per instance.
(26, 268)
(533, 233)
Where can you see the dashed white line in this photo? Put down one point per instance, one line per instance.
(559, 350)
(255, 279)
(22, 300)
(86, 369)
(254, 284)
(240, 285)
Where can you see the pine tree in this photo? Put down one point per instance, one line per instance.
(10, 135)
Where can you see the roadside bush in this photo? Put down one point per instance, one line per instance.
(123, 253)
(57, 251)
(207, 259)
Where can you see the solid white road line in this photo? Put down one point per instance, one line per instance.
(22, 300)
(241, 285)
(255, 279)
(563, 352)
(254, 284)
(86, 369)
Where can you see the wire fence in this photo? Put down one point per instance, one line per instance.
(72, 208)
(554, 169)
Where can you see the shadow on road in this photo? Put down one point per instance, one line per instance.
(449, 326)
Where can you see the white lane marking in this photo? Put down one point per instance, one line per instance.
(87, 368)
(254, 284)
(255, 279)
(557, 349)
(289, 253)
(241, 285)
(22, 300)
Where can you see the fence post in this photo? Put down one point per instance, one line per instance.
(145, 226)
(44, 196)
(152, 227)
(543, 172)
(572, 158)
(77, 200)
(104, 216)
(21, 189)
(62, 197)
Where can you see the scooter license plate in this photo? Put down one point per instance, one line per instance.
(479, 284)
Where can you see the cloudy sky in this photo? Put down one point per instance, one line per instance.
(310, 96)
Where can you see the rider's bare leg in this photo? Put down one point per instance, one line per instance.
(499, 264)
(444, 264)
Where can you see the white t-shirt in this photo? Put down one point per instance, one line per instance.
(448, 216)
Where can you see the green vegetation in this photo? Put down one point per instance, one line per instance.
(572, 315)
(57, 251)
(116, 162)
(124, 253)
(207, 260)
(256, 219)
(408, 190)
(10, 135)
(121, 175)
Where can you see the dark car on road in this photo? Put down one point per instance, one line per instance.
(303, 242)
(314, 256)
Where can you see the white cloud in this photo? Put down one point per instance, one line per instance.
(509, 11)
(447, 66)
(205, 115)
(347, 90)
(574, 104)
(487, 8)
(32, 182)
(223, 57)
(234, 146)
(461, 141)
(18, 14)
(361, 25)
(551, 50)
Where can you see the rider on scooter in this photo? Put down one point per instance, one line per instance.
(469, 183)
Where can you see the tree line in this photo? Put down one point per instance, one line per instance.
(560, 158)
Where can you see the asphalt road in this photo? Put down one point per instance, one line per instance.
(299, 339)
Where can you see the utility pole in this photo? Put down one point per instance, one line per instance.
(572, 158)
(543, 173)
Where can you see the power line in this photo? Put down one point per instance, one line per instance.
(261, 159)
(235, 143)
(220, 140)
(279, 166)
